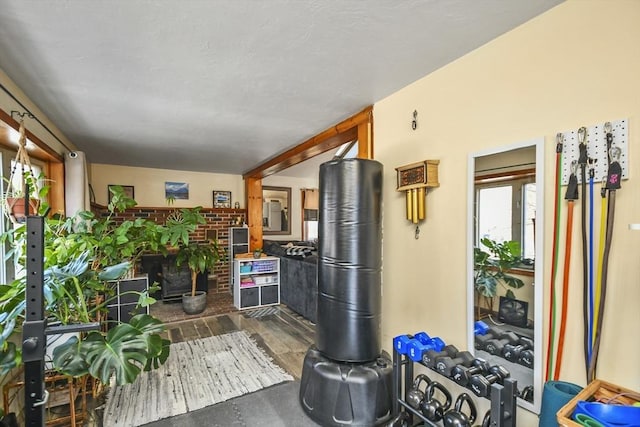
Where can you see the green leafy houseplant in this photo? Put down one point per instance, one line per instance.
(492, 268)
(82, 255)
(200, 257)
(257, 252)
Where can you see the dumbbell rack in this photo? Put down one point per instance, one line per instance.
(503, 397)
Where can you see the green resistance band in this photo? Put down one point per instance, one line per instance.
(587, 421)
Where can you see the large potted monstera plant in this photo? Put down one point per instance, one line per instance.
(83, 255)
(492, 270)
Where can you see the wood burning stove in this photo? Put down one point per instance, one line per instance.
(173, 280)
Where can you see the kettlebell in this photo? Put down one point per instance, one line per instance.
(486, 421)
(400, 420)
(415, 395)
(456, 418)
(527, 393)
(432, 408)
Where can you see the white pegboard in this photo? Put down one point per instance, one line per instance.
(596, 149)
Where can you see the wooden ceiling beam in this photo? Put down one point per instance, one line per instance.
(333, 137)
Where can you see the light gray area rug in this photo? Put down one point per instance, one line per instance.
(197, 374)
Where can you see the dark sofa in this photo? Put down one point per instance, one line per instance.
(298, 278)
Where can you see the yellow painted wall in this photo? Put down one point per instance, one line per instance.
(149, 185)
(578, 64)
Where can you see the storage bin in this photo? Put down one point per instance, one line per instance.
(269, 295)
(245, 268)
(262, 266)
(265, 279)
(597, 390)
(249, 297)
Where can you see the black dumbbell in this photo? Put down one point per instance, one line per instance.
(496, 345)
(445, 364)
(526, 341)
(481, 384)
(429, 357)
(462, 374)
(526, 358)
(512, 352)
(482, 339)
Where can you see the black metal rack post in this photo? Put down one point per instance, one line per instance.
(34, 340)
(34, 329)
(503, 403)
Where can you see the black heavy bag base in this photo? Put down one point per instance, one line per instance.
(346, 394)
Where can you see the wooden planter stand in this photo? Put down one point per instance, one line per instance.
(63, 390)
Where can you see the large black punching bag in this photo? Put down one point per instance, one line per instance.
(350, 260)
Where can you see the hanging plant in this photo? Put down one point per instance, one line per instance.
(28, 188)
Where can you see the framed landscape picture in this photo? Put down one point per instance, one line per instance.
(128, 190)
(176, 190)
(221, 199)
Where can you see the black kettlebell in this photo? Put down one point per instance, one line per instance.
(456, 418)
(486, 421)
(415, 395)
(401, 420)
(432, 408)
(527, 393)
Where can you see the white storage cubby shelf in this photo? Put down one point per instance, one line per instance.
(256, 282)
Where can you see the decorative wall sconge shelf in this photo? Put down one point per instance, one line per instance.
(414, 179)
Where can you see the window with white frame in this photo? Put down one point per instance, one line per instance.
(506, 209)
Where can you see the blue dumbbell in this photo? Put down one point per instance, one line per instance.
(416, 349)
(480, 328)
(401, 342)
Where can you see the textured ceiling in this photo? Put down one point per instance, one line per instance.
(222, 85)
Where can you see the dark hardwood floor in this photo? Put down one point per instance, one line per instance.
(284, 335)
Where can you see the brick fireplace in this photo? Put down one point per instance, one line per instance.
(218, 220)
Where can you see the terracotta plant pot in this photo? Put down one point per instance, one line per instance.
(15, 207)
(194, 304)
